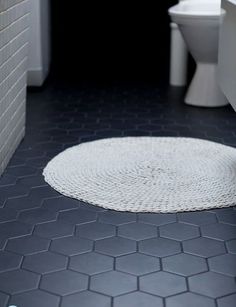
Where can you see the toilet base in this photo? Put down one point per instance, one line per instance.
(204, 90)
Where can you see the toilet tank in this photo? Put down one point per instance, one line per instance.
(227, 52)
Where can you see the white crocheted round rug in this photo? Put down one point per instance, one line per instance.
(147, 174)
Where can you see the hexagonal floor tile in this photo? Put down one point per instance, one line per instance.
(3, 241)
(41, 193)
(44, 262)
(86, 299)
(7, 214)
(17, 281)
(71, 246)
(9, 261)
(52, 230)
(117, 218)
(115, 246)
(96, 230)
(184, 264)
(7, 180)
(91, 263)
(113, 283)
(36, 298)
(187, 299)
(3, 299)
(21, 171)
(33, 181)
(204, 247)
(163, 284)
(35, 216)
(77, 216)
(64, 282)
(137, 231)
(137, 299)
(27, 245)
(179, 231)
(197, 218)
(227, 216)
(159, 247)
(137, 264)
(219, 231)
(60, 204)
(48, 146)
(228, 301)
(225, 264)
(29, 153)
(15, 229)
(91, 207)
(13, 191)
(38, 162)
(157, 219)
(212, 284)
(231, 246)
(22, 203)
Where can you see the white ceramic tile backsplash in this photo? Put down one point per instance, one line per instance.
(14, 23)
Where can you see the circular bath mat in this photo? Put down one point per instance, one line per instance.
(147, 174)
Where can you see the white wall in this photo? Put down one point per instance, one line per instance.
(39, 48)
(227, 52)
(14, 22)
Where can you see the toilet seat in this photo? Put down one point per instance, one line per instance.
(194, 9)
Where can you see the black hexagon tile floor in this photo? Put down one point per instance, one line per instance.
(137, 299)
(183, 264)
(113, 283)
(163, 284)
(137, 231)
(86, 298)
(91, 263)
(9, 261)
(64, 282)
(137, 264)
(60, 252)
(44, 262)
(96, 231)
(35, 298)
(71, 246)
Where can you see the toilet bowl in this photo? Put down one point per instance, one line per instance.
(199, 22)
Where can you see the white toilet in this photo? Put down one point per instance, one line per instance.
(199, 22)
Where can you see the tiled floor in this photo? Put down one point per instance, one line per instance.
(56, 251)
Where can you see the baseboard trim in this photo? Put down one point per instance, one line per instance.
(36, 77)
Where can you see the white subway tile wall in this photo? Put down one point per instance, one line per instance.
(14, 28)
